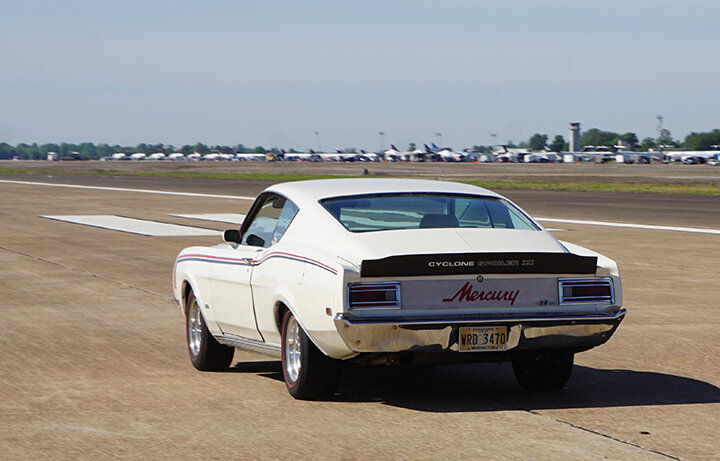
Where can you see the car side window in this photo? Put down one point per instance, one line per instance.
(270, 222)
(286, 216)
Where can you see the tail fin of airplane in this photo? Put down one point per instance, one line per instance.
(392, 146)
(434, 146)
(427, 149)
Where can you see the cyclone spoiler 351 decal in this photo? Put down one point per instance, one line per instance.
(479, 263)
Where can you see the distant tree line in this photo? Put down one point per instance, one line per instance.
(709, 140)
(89, 150)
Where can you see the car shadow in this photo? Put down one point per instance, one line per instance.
(492, 387)
(267, 368)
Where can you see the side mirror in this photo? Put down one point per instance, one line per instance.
(254, 240)
(232, 236)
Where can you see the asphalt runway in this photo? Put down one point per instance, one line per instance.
(95, 363)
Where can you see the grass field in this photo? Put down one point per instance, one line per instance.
(619, 178)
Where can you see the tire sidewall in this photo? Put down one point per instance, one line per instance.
(293, 385)
(211, 355)
(549, 373)
(203, 330)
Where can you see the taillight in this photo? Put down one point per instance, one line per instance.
(374, 296)
(586, 291)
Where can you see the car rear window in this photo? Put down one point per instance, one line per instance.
(377, 212)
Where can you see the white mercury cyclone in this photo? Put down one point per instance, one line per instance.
(392, 271)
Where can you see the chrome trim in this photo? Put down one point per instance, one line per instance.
(524, 332)
(397, 305)
(589, 282)
(293, 350)
(550, 317)
(194, 328)
(248, 344)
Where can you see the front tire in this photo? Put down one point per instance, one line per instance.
(206, 354)
(544, 372)
(309, 374)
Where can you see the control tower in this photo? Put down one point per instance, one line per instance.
(574, 136)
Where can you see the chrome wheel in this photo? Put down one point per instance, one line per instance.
(194, 328)
(293, 351)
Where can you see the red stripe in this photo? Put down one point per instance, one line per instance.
(211, 257)
(294, 256)
(258, 261)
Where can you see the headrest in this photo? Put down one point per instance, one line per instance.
(438, 220)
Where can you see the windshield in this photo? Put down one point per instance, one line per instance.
(364, 213)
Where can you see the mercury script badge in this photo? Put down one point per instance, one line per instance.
(480, 278)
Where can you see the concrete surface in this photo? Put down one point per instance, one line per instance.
(95, 363)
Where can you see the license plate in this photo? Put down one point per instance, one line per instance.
(472, 339)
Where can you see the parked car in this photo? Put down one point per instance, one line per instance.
(391, 271)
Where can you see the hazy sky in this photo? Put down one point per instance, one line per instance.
(273, 72)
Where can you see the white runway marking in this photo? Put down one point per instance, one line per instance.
(237, 197)
(122, 189)
(633, 226)
(232, 218)
(135, 226)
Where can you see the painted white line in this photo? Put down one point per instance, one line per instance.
(633, 226)
(121, 189)
(237, 197)
(135, 226)
(232, 218)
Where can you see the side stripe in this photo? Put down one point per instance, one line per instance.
(280, 254)
(247, 262)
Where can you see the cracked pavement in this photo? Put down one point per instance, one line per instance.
(95, 364)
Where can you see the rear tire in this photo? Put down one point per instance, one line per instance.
(206, 354)
(309, 374)
(544, 372)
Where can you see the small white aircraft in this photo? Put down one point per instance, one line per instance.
(434, 153)
(310, 156)
(217, 156)
(176, 156)
(138, 156)
(157, 156)
(250, 157)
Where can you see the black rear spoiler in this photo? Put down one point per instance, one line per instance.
(478, 263)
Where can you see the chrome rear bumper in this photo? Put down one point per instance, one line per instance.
(579, 332)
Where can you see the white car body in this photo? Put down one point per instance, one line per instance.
(243, 290)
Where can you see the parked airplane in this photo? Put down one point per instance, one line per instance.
(250, 157)
(434, 153)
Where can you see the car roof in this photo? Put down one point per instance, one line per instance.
(318, 189)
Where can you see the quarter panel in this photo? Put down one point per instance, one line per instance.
(307, 282)
(196, 274)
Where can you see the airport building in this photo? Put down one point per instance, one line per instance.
(575, 137)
